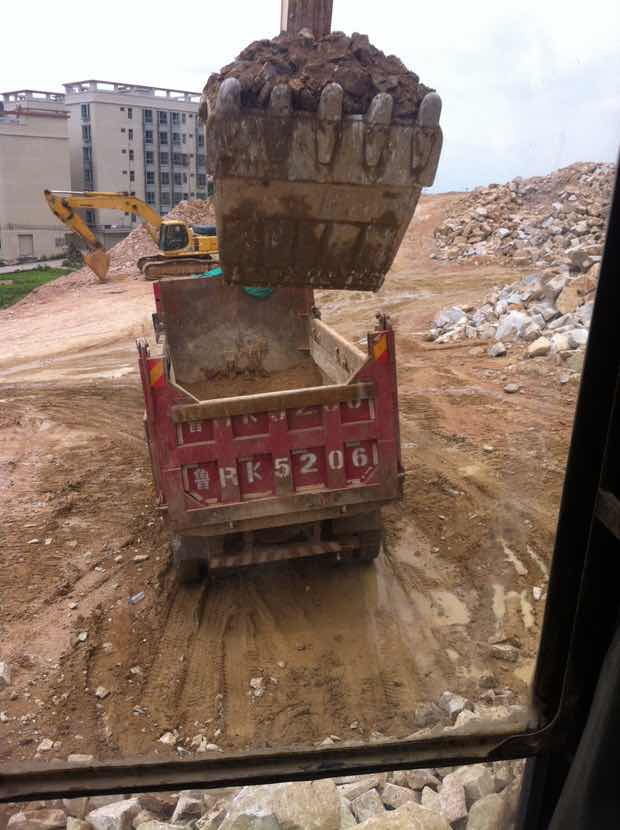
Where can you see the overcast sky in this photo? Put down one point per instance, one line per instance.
(527, 86)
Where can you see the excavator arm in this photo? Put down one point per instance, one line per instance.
(63, 205)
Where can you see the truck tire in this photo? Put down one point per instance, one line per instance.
(188, 571)
(368, 527)
(186, 559)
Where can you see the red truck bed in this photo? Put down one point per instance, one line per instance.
(314, 462)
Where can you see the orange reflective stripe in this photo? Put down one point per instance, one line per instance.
(380, 349)
(157, 373)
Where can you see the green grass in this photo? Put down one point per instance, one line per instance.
(24, 282)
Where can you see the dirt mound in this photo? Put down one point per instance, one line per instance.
(307, 64)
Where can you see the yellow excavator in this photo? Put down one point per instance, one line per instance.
(184, 249)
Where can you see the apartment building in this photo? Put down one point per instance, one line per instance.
(34, 154)
(140, 139)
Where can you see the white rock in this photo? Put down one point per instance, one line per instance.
(187, 808)
(394, 796)
(487, 813)
(361, 784)
(448, 317)
(452, 704)
(539, 347)
(560, 342)
(511, 325)
(45, 819)
(313, 805)
(367, 805)
(537, 592)
(46, 745)
(477, 781)
(5, 674)
(577, 338)
(168, 738)
(76, 807)
(101, 692)
(347, 819)
(451, 801)
(420, 778)
(117, 816)
(408, 817)
(497, 350)
(80, 759)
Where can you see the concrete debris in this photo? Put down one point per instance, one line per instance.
(367, 805)
(76, 807)
(361, 784)
(420, 778)
(536, 224)
(187, 809)
(80, 759)
(347, 819)
(46, 745)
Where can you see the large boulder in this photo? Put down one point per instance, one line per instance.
(367, 805)
(37, 820)
(511, 325)
(116, 816)
(408, 817)
(487, 813)
(306, 805)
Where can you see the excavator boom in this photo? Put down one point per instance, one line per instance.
(63, 205)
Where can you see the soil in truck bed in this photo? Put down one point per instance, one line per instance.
(307, 65)
(302, 376)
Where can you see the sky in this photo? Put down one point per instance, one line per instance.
(527, 86)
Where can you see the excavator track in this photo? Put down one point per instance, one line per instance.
(161, 266)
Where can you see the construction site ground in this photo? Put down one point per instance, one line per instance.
(343, 650)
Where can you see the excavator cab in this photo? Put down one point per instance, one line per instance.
(173, 236)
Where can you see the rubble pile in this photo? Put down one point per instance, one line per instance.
(126, 253)
(530, 222)
(306, 65)
(477, 797)
(560, 235)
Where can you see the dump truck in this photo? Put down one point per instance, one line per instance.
(270, 436)
(184, 249)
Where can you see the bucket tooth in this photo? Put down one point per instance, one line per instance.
(229, 98)
(378, 121)
(430, 110)
(329, 121)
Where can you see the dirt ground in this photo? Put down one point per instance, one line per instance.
(343, 651)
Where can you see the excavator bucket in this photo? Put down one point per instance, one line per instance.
(99, 262)
(316, 199)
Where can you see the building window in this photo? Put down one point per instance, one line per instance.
(164, 178)
(129, 112)
(85, 133)
(163, 158)
(185, 196)
(201, 180)
(200, 139)
(59, 241)
(131, 155)
(201, 160)
(130, 135)
(201, 195)
(163, 117)
(176, 138)
(150, 177)
(184, 178)
(123, 129)
(123, 151)
(124, 172)
(87, 154)
(176, 117)
(183, 118)
(132, 176)
(88, 178)
(184, 137)
(148, 116)
(148, 136)
(90, 217)
(163, 138)
(177, 158)
(150, 197)
(164, 197)
(85, 110)
(149, 157)
(177, 196)
(190, 115)
(176, 178)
